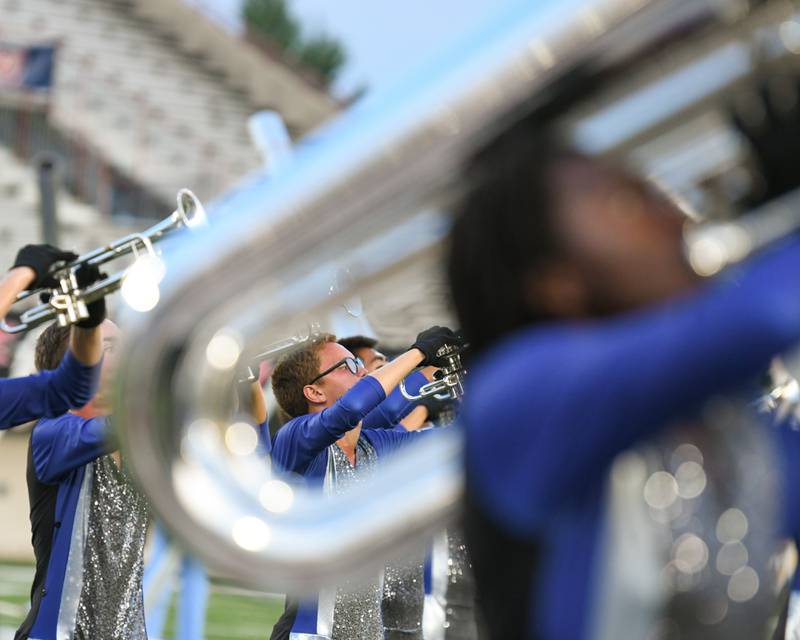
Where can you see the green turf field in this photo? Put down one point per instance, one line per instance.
(233, 614)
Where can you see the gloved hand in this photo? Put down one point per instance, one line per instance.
(432, 340)
(86, 275)
(436, 408)
(40, 258)
(769, 119)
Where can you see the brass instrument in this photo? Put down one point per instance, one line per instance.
(448, 383)
(376, 172)
(715, 245)
(67, 302)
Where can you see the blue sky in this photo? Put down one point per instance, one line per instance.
(383, 39)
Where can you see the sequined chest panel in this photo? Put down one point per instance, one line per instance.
(356, 610)
(110, 604)
(691, 545)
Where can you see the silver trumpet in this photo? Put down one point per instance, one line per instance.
(363, 193)
(280, 348)
(449, 380)
(67, 301)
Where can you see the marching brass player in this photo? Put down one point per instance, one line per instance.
(330, 396)
(87, 520)
(635, 497)
(74, 381)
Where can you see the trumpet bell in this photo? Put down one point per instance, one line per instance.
(190, 210)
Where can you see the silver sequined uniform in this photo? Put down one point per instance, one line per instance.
(357, 609)
(111, 605)
(691, 536)
(403, 599)
(460, 623)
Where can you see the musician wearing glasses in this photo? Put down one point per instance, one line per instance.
(74, 381)
(619, 484)
(328, 393)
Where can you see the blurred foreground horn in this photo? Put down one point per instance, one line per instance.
(268, 257)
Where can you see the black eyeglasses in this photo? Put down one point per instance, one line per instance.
(352, 364)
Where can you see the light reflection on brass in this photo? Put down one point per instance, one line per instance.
(732, 526)
(661, 490)
(743, 585)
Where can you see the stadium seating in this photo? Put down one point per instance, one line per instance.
(81, 226)
(128, 90)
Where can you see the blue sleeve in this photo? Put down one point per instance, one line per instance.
(47, 394)
(386, 441)
(301, 439)
(60, 445)
(389, 412)
(788, 452)
(549, 408)
(264, 442)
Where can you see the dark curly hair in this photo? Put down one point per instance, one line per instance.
(503, 230)
(354, 343)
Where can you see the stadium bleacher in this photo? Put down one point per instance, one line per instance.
(128, 89)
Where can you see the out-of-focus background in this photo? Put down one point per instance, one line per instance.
(108, 107)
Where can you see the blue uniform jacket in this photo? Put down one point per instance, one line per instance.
(538, 448)
(60, 449)
(395, 407)
(49, 393)
(301, 445)
(264, 441)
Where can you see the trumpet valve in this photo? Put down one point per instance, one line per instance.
(69, 308)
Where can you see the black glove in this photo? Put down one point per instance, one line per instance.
(40, 258)
(770, 121)
(437, 408)
(432, 340)
(87, 275)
